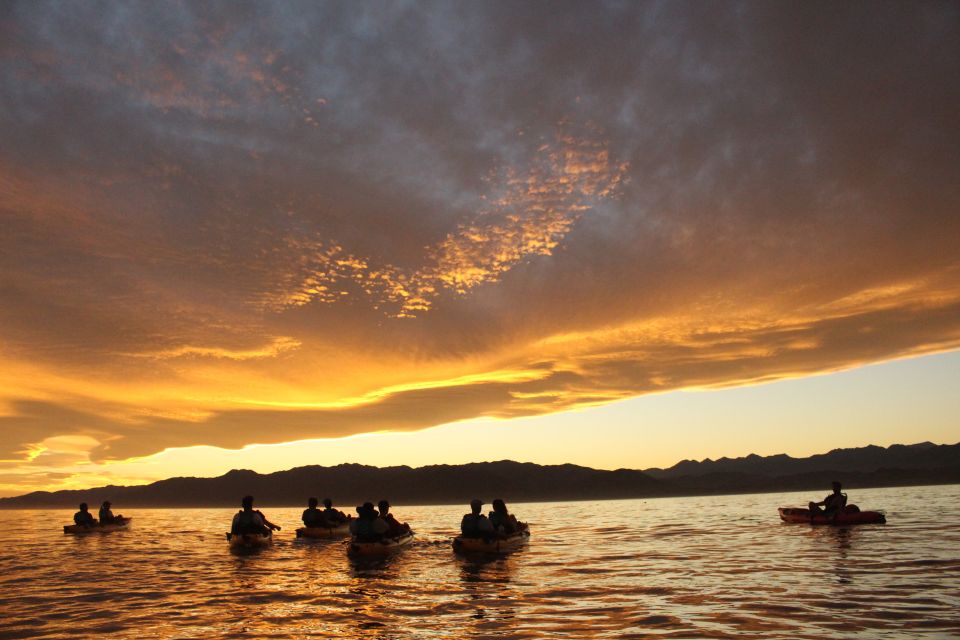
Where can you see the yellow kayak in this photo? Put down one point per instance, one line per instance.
(380, 547)
(249, 540)
(98, 528)
(324, 532)
(491, 545)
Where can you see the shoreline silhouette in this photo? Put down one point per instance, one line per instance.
(897, 465)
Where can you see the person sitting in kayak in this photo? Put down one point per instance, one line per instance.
(503, 522)
(249, 520)
(106, 515)
(313, 517)
(331, 515)
(395, 527)
(367, 527)
(475, 524)
(83, 517)
(832, 504)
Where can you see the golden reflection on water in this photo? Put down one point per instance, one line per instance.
(709, 567)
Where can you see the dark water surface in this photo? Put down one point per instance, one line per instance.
(682, 567)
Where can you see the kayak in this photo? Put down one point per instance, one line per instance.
(491, 545)
(98, 528)
(847, 516)
(324, 532)
(380, 547)
(249, 540)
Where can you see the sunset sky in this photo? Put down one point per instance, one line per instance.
(271, 234)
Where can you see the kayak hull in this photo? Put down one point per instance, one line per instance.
(76, 529)
(324, 532)
(803, 516)
(511, 542)
(381, 547)
(249, 540)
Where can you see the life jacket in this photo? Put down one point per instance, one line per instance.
(332, 515)
(501, 520)
(365, 528)
(470, 525)
(248, 518)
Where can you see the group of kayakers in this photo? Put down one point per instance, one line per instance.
(377, 522)
(84, 518)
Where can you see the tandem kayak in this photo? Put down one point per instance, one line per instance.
(848, 516)
(506, 544)
(249, 540)
(379, 547)
(324, 532)
(98, 528)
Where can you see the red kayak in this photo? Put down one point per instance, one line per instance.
(850, 515)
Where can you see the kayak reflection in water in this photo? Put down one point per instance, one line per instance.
(395, 527)
(367, 527)
(106, 515)
(83, 517)
(249, 520)
(832, 504)
(503, 522)
(475, 524)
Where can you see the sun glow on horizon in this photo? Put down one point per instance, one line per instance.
(714, 421)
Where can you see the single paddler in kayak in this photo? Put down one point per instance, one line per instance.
(833, 509)
(832, 504)
(479, 534)
(250, 527)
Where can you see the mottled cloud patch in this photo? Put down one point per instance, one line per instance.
(527, 212)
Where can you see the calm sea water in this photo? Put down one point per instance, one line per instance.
(685, 567)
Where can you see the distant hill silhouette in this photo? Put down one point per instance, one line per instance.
(870, 466)
(349, 484)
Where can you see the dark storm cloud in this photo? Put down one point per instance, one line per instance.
(291, 191)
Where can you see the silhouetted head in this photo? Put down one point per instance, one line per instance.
(366, 510)
(836, 486)
(384, 507)
(475, 505)
(499, 506)
(312, 502)
(247, 502)
(328, 503)
(83, 506)
(105, 505)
